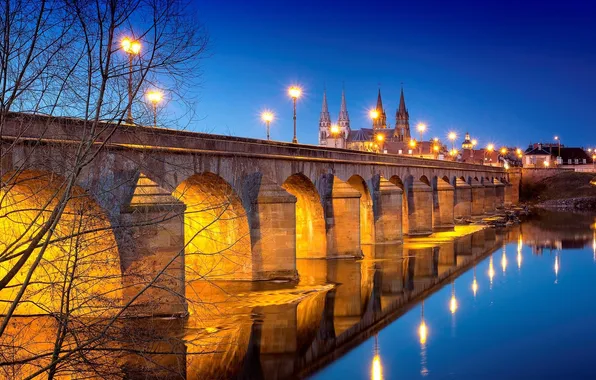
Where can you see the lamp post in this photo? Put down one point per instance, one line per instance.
(334, 132)
(452, 136)
(132, 48)
(594, 161)
(421, 129)
(267, 117)
(558, 140)
(380, 138)
(489, 148)
(154, 96)
(412, 144)
(295, 93)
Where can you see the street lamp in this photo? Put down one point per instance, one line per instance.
(132, 48)
(546, 164)
(489, 148)
(594, 161)
(452, 136)
(374, 114)
(267, 117)
(334, 132)
(412, 144)
(421, 129)
(295, 93)
(380, 138)
(154, 96)
(503, 151)
(557, 139)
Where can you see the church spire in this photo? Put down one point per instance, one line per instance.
(325, 110)
(381, 121)
(343, 110)
(402, 120)
(379, 102)
(402, 103)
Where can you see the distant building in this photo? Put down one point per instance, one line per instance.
(547, 155)
(379, 138)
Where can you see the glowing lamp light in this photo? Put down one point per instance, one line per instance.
(436, 148)
(380, 137)
(504, 262)
(474, 142)
(154, 96)
(503, 150)
(421, 127)
(130, 46)
(436, 139)
(423, 332)
(374, 114)
(412, 143)
(377, 368)
(556, 138)
(474, 287)
(546, 164)
(267, 116)
(295, 92)
(556, 265)
(452, 136)
(334, 129)
(491, 270)
(453, 304)
(518, 151)
(506, 165)
(490, 147)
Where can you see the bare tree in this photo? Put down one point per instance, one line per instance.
(65, 58)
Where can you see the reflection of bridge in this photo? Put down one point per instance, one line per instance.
(292, 340)
(244, 209)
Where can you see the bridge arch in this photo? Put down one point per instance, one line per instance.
(397, 181)
(81, 251)
(367, 232)
(311, 241)
(216, 231)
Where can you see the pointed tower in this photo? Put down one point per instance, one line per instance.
(402, 120)
(324, 121)
(381, 121)
(344, 119)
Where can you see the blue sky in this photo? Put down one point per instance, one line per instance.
(507, 72)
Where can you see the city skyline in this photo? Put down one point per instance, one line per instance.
(503, 75)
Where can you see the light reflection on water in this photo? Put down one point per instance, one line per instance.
(431, 307)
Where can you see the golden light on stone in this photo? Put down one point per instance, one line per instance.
(422, 332)
(130, 46)
(295, 92)
(374, 114)
(154, 96)
(267, 116)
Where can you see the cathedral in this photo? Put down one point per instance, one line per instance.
(379, 138)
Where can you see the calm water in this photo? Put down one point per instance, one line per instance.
(514, 303)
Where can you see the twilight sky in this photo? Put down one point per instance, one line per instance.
(507, 73)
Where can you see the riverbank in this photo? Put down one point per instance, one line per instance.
(566, 191)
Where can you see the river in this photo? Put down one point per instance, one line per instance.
(488, 303)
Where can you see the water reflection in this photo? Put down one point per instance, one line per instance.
(276, 331)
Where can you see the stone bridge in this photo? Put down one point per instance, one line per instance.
(245, 209)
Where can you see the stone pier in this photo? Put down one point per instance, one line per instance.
(387, 210)
(443, 199)
(462, 207)
(341, 206)
(499, 193)
(490, 196)
(477, 197)
(420, 201)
